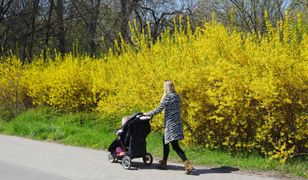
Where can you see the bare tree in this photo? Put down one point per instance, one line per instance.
(89, 13)
(247, 15)
(160, 13)
(127, 7)
(30, 27)
(60, 33)
(4, 7)
(35, 4)
(48, 28)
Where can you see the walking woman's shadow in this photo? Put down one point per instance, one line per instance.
(196, 171)
(218, 170)
(140, 165)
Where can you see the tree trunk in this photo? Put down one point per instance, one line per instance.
(60, 33)
(127, 6)
(93, 25)
(48, 28)
(34, 13)
(124, 19)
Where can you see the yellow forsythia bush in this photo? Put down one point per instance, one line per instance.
(239, 91)
(13, 98)
(64, 85)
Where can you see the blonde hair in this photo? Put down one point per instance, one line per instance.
(168, 87)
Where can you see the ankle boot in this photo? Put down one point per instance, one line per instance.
(162, 164)
(188, 167)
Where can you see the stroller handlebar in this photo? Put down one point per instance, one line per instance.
(138, 115)
(143, 117)
(119, 131)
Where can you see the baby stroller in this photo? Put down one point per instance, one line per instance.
(131, 141)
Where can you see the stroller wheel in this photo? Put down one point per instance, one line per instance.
(111, 158)
(148, 159)
(126, 162)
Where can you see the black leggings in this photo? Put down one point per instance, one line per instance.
(176, 148)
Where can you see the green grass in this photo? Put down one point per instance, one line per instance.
(80, 129)
(95, 131)
(3, 125)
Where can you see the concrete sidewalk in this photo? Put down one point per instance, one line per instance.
(27, 159)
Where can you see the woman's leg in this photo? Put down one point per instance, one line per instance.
(163, 163)
(178, 150)
(166, 149)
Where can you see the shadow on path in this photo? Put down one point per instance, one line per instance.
(196, 172)
(223, 169)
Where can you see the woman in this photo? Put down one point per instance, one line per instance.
(173, 130)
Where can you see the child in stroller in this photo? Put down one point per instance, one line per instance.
(131, 141)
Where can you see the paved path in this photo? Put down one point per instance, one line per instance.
(25, 159)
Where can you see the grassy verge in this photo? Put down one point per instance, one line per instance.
(80, 129)
(94, 131)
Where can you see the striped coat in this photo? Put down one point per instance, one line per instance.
(173, 129)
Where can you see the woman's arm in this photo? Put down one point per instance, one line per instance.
(158, 109)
